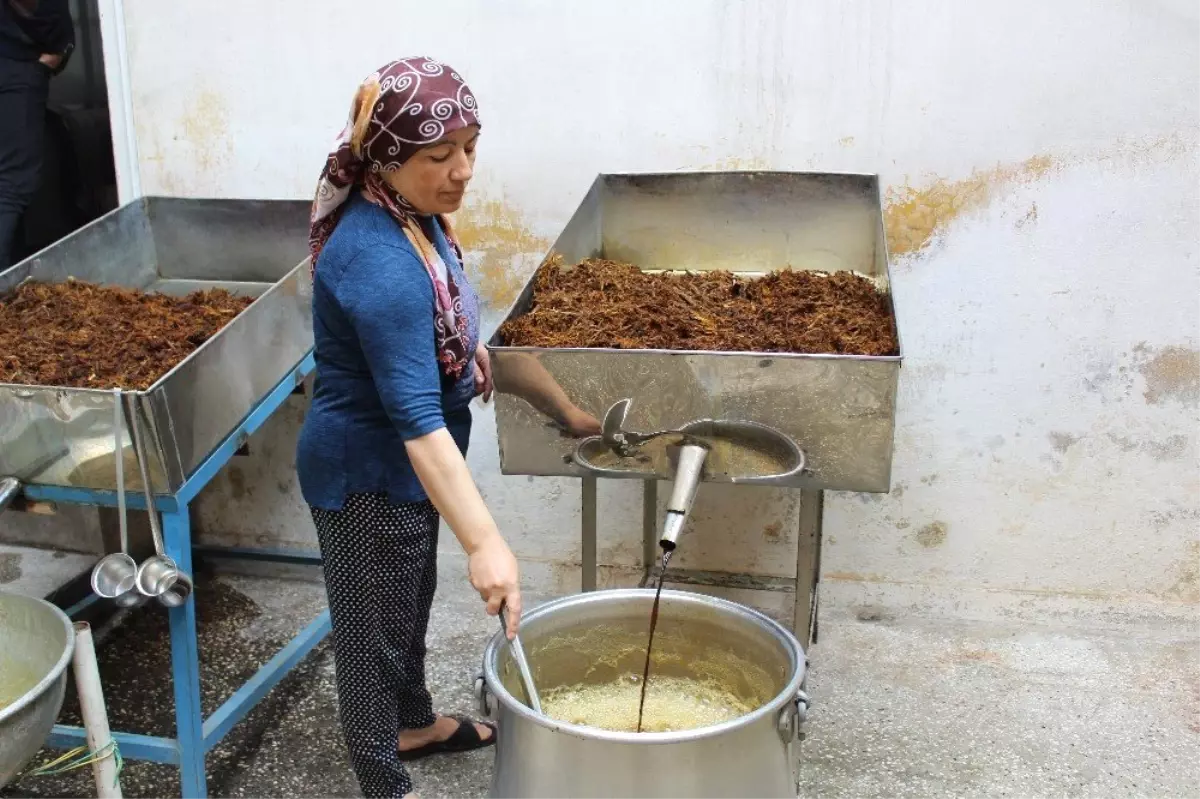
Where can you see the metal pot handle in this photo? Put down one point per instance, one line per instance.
(793, 718)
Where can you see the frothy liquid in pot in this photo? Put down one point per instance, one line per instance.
(658, 703)
(672, 704)
(16, 680)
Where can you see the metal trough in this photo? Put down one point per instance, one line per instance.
(64, 436)
(36, 645)
(840, 410)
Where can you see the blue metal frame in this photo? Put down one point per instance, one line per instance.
(195, 736)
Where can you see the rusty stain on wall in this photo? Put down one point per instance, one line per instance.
(168, 182)
(187, 149)
(1172, 373)
(914, 215)
(733, 164)
(932, 535)
(496, 234)
(205, 127)
(773, 532)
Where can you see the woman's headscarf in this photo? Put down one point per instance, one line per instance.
(414, 103)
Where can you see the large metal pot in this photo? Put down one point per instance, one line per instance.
(37, 641)
(599, 637)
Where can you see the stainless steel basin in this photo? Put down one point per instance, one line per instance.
(37, 641)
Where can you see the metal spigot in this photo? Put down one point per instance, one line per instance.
(687, 480)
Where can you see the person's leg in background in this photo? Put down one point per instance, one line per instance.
(24, 89)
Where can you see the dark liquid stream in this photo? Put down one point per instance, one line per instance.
(666, 558)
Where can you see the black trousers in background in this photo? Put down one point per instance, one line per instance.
(380, 563)
(24, 88)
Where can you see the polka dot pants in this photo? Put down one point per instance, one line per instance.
(380, 563)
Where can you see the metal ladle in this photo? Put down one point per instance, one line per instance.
(158, 576)
(115, 575)
(518, 653)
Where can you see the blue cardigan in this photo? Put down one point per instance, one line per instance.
(378, 383)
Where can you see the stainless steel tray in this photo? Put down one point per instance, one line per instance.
(839, 409)
(64, 436)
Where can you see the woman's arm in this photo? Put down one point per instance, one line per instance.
(524, 376)
(389, 301)
(491, 566)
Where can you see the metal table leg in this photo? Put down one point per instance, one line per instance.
(649, 525)
(808, 565)
(185, 662)
(193, 734)
(590, 565)
(588, 579)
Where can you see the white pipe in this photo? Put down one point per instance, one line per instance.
(95, 716)
(120, 99)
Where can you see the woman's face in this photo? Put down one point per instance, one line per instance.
(435, 178)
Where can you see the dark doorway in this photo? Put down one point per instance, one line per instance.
(78, 176)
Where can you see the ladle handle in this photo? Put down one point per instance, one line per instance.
(139, 450)
(518, 652)
(119, 455)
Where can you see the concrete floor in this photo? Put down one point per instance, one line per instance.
(903, 705)
(37, 572)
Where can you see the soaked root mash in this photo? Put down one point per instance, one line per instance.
(702, 673)
(673, 704)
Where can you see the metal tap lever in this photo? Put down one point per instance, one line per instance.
(687, 480)
(622, 441)
(614, 420)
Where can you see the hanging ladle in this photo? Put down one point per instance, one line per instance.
(158, 576)
(115, 575)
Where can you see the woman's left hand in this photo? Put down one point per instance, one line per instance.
(483, 373)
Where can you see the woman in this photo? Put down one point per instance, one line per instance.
(381, 454)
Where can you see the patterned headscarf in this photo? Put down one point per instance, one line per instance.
(416, 102)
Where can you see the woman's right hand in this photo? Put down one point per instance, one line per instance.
(491, 566)
(492, 569)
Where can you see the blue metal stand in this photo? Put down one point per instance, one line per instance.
(195, 736)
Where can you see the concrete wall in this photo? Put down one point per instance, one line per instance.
(1042, 164)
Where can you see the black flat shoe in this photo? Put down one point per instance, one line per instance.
(464, 739)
